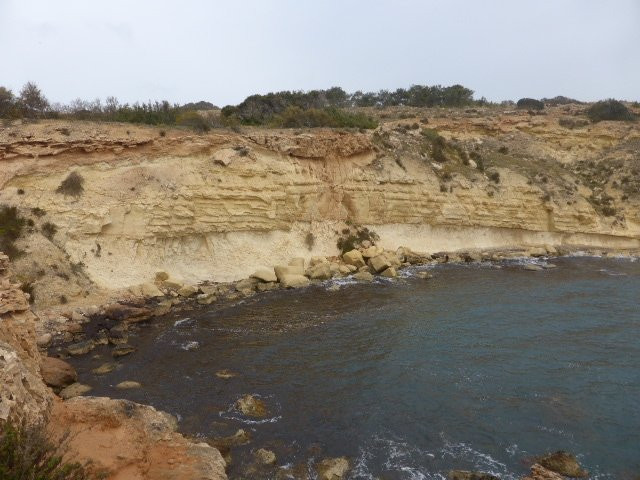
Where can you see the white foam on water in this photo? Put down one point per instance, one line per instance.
(183, 321)
(189, 346)
(396, 456)
(481, 461)
(611, 273)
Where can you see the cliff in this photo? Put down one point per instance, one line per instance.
(219, 205)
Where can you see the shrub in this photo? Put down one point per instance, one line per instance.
(494, 177)
(38, 212)
(11, 225)
(296, 117)
(26, 453)
(309, 240)
(503, 149)
(530, 104)
(32, 101)
(49, 230)
(72, 185)
(571, 123)
(609, 110)
(194, 121)
(6, 102)
(354, 236)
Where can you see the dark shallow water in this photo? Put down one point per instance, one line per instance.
(477, 368)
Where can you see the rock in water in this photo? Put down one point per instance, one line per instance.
(467, 475)
(533, 268)
(354, 257)
(363, 277)
(389, 273)
(252, 406)
(333, 468)
(57, 373)
(563, 463)
(226, 374)
(74, 390)
(379, 263)
(127, 385)
(80, 348)
(538, 472)
(265, 457)
(122, 350)
(104, 369)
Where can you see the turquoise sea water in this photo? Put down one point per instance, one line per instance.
(478, 368)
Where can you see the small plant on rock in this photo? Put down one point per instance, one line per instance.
(49, 229)
(72, 185)
(27, 453)
(11, 225)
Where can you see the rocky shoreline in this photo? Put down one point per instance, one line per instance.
(79, 331)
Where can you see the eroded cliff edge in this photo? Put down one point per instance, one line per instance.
(217, 206)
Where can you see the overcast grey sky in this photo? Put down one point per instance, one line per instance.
(222, 51)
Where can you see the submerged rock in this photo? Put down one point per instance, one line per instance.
(226, 374)
(74, 390)
(265, 457)
(128, 385)
(424, 275)
(533, 268)
(122, 350)
(563, 463)
(251, 406)
(363, 276)
(104, 369)
(80, 348)
(333, 468)
(467, 475)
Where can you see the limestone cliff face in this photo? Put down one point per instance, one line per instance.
(219, 205)
(23, 395)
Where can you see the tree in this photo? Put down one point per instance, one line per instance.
(32, 101)
(6, 101)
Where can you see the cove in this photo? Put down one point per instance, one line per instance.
(478, 368)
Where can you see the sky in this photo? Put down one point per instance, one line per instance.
(223, 51)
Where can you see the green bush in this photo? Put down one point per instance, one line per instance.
(27, 454)
(72, 185)
(609, 110)
(11, 225)
(194, 121)
(296, 117)
(530, 104)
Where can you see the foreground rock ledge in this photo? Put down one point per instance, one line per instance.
(132, 441)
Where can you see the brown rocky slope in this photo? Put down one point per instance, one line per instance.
(122, 440)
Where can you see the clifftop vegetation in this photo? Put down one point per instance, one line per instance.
(285, 109)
